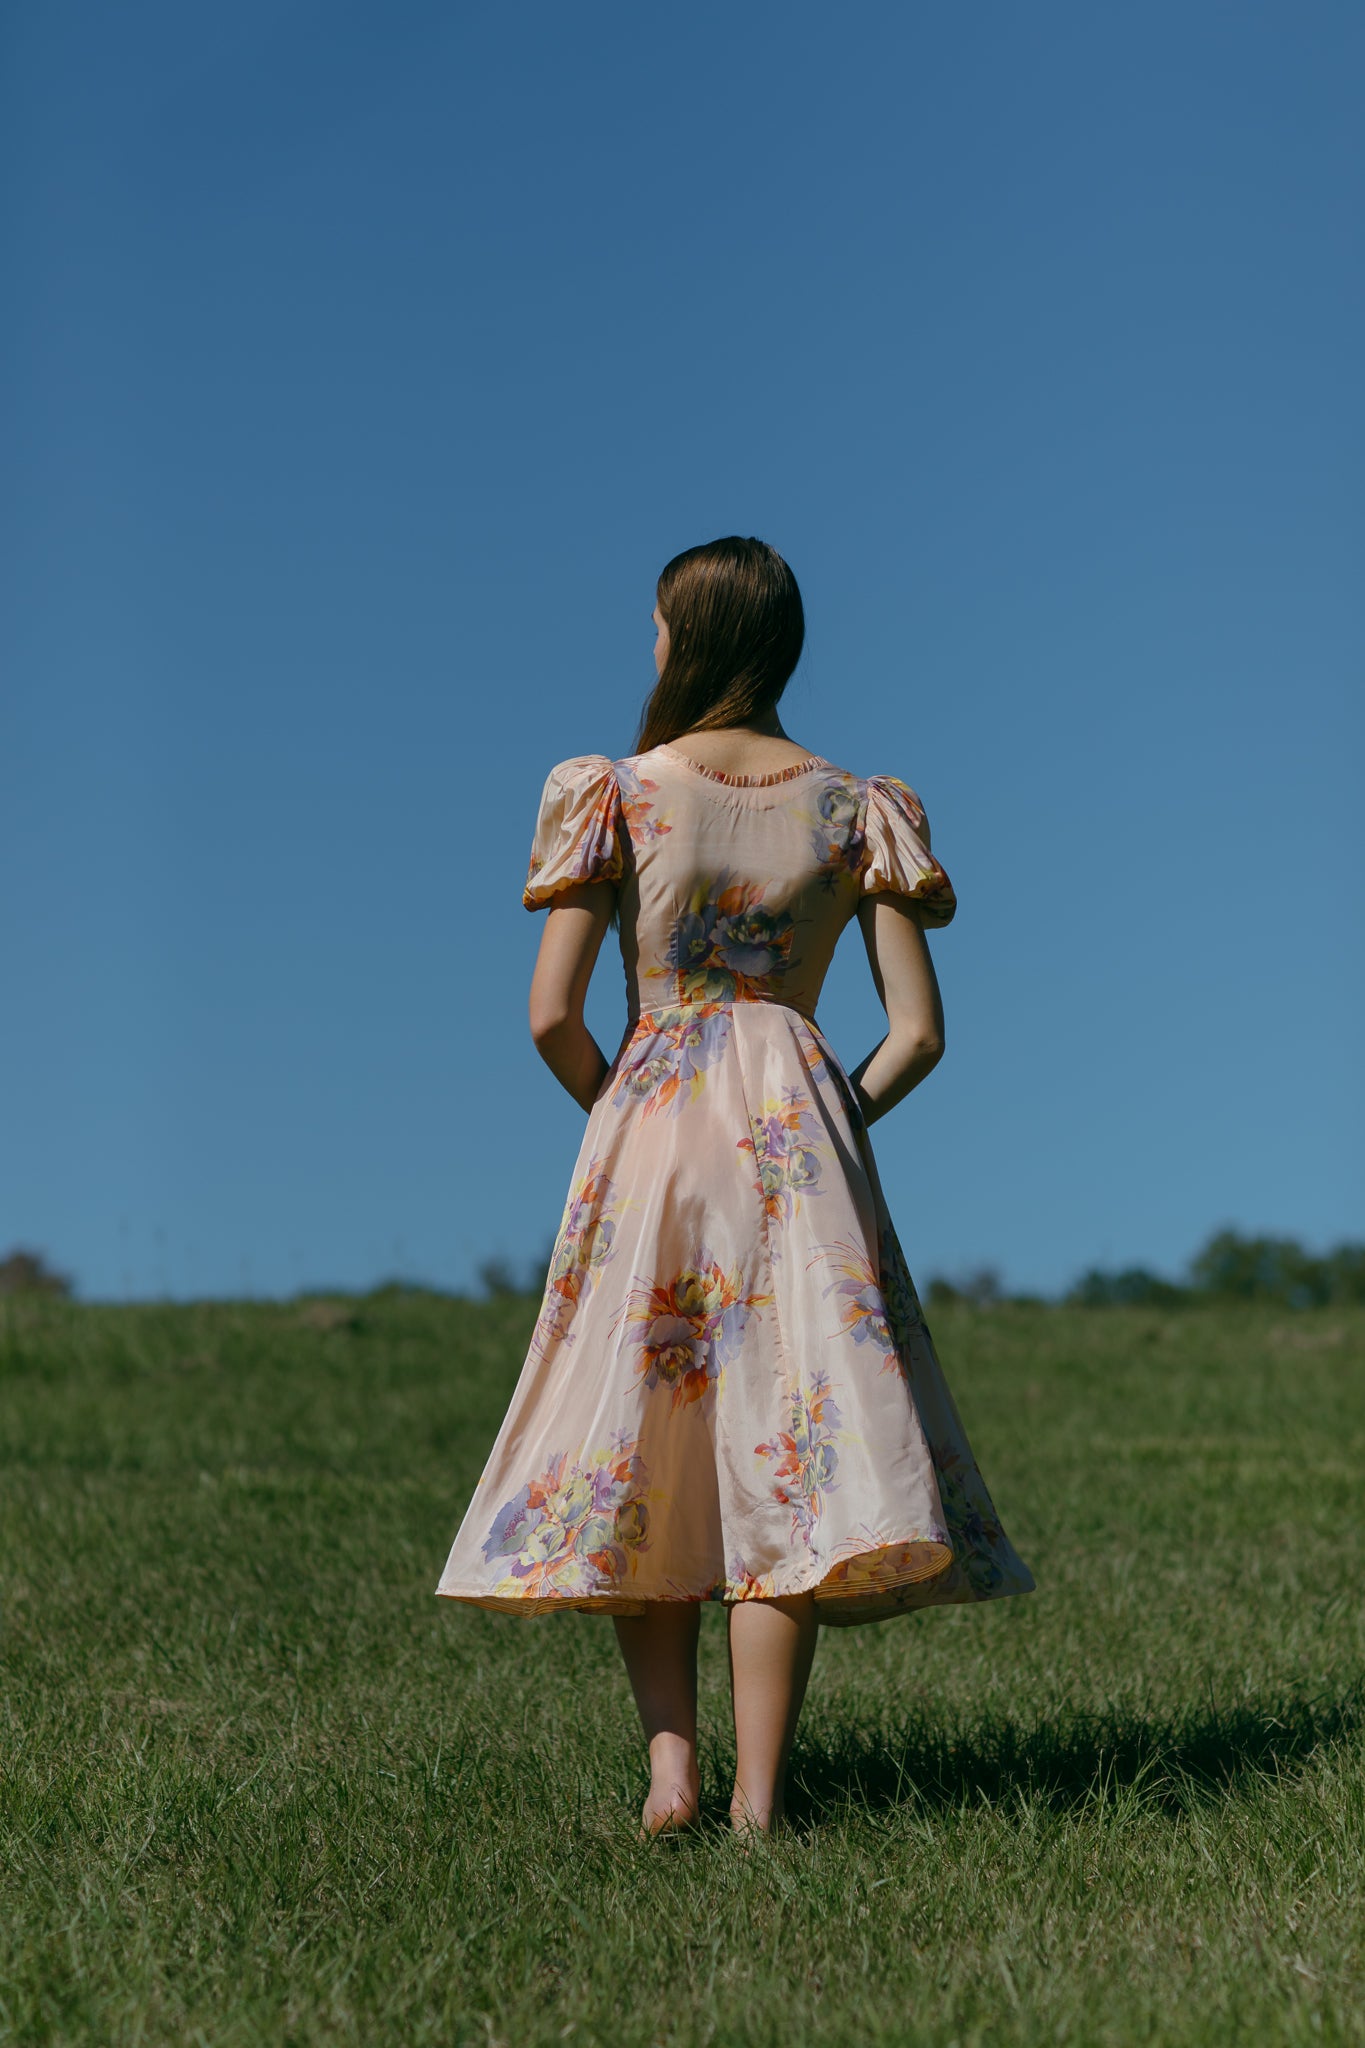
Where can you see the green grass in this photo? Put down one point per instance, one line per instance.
(260, 1786)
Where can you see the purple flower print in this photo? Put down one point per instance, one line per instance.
(836, 834)
(666, 1065)
(576, 1529)
(862, 1307)
(752, 942)
(804, 1456)
(688, 1328)
(783, 1138)
(728, 944)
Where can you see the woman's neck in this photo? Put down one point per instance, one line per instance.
(754, 749)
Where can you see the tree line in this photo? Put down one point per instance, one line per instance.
(1229, 1267)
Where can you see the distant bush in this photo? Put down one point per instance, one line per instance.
(24, 1272)
(982, 1288)
(1134, 1287)
(496, 1280)
(396, 1289)
(1278, 1269)
(1231, 1267)
(500, 1280)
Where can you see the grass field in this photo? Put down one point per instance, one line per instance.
(260, 1786)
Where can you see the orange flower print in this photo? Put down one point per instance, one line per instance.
(861, 1304)
(581, 1251)
(932, 891)
(665, 1064)
(637, 805)
(687, 1329)
(728, 945)
(783, 1141)
(836, 828)
(825, 1071)
(804, 1455)
(742, 1584)
(576, 1529)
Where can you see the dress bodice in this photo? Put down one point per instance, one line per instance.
(731, 888)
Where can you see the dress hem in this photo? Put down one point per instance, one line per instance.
(829, 1589)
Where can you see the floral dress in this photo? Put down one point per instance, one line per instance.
(731, 1392)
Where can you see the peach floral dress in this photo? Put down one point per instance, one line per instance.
(731, 1392)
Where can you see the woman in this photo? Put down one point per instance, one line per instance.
(731, 1393)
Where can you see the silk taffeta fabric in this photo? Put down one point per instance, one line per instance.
(731, 1392)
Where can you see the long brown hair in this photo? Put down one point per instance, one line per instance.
(735, 628)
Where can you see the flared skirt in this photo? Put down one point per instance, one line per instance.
(731, 1391)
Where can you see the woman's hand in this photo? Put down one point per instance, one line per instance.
(908, 987)
(574, 928)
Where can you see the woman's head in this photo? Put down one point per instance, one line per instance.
(731, 628)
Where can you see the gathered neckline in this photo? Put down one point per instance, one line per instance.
(803, 767)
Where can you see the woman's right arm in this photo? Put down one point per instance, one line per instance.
(575, 926)
(898, 955)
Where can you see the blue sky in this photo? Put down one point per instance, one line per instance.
(373, 361)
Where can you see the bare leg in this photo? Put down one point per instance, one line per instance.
(660, 1652)
(772, 1646)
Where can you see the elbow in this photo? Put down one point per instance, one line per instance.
(922, 1048)
(547, 1020)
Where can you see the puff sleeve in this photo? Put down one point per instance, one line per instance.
(579, 830)
(896, 856)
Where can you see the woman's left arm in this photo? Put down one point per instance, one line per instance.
(574, 929)
(908, 987)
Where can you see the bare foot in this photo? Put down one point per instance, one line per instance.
(748, 1822)
(668, 1813)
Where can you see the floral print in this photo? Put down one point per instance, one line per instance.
(826, 1072)
(582, 1249)
(860, 1303)
(688, 1328)
(637, 804)
(782, 1139)
(804, 1456)
(574, 1530)
(581, 836)
(837, 835)
(729, 945)
(903, 1311)
(742, 1584)
(665, 1067)
(896, 851)
(972, 1520)
(730, 1392)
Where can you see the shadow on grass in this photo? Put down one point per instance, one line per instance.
(1206, 1752)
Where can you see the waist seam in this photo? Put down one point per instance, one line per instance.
(718, 1003)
